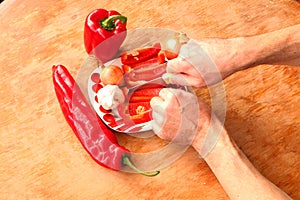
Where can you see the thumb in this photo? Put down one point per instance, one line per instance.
(183, 79)
(171, 78)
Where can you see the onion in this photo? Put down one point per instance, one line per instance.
(112, 75)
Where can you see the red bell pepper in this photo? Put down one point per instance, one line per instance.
(104, 32)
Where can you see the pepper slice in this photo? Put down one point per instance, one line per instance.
(142, 95)
(92, 133)
(138, 109)
(169, 54)
(138, 55)
(143, 72)
(135, 113)
(140, 112)
(147, 73)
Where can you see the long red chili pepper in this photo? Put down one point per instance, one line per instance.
(94, 136)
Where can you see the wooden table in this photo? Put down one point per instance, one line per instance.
(42, 159)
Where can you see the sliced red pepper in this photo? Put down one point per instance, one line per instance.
(159, 59)
(132, 107)
(139, 98)
(139, 119)
(140, 112)
(148, 73)
(126, 68)
(135, 113)
(139, 55)
(144, 73)
(96, 87)
(145, 94)
(95, 77)
(109, 118)
(169, 54)
(104, 110)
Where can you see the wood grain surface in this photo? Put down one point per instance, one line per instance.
(40, 157)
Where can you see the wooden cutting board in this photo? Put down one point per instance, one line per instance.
(42, 159)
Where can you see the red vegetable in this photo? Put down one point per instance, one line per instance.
(142, 95)
(143, 64)
(138, 109)
(135, 113)
(140, 112)
(146, 73)
(138, 55)
(169, 54)
(94, 136)
(104, 32)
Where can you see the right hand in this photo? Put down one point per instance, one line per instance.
(205, 62)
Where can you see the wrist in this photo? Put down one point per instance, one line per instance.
(243, 54)
(230, 55)
(202, 131)
(224, 150)
(210, 132)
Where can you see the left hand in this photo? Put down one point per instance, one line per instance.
(175, 115)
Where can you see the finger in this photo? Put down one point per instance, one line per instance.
(156, 101)
(156, 104)
(167, 95)
(182, 65)
(156, 128)
(185, 79)
(177, 65)
(158, 117)
(187, 100)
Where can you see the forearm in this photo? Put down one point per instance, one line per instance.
(236, 174)
(278, 47)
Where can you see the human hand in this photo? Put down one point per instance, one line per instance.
(178, 116)
(205, 62)
(175, 115)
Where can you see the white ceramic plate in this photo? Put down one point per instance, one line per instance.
(112, 118)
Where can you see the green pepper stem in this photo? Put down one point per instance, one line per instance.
(109, 22)
(126, 161)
